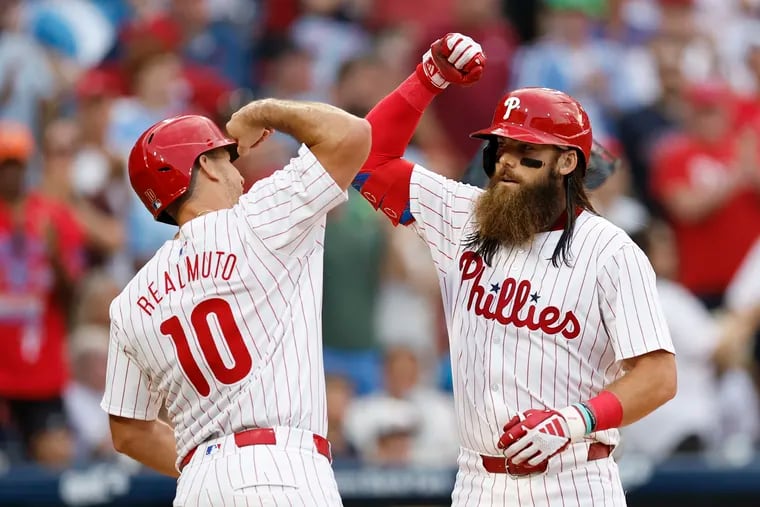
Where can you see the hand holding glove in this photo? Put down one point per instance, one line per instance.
(531, 438)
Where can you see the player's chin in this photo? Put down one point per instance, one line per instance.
(507, 183)
(503, 189)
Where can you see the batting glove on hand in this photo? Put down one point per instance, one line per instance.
(531, 438)
(454, 58)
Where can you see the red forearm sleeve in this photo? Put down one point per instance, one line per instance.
(395, 118)
(384, 179)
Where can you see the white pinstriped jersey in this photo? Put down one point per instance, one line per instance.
(223, 324)
(523, 333)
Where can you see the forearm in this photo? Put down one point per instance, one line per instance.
(312, 123)
(395, 118)
(647, 385)
(153, 446)
(104, 233)
(339, 140)
(649, 382)
(385, 176)
(692, 205)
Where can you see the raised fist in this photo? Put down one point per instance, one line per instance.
(247, 126)
(454, 58)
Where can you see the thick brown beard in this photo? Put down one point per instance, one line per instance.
(513, 216)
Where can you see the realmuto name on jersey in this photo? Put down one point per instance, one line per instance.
(507, 306)
(190, 268)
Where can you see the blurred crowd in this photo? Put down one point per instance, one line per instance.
(672, 87)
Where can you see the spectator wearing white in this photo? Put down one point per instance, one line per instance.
(691, 422)
(435, 441)
(385, 431)
(88, 353)
(743, 293)
(743, 302)
(613, 199)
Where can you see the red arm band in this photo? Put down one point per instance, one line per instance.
(607, 410)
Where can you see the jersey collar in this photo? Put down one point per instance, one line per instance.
(559, 224)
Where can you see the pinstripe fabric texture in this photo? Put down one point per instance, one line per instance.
(288, 474)
(525, 334)
(263, 260)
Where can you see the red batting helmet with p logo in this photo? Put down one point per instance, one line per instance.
(541, 116)
(161, 161)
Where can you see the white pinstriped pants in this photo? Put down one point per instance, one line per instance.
(569, 482)
(290, 473)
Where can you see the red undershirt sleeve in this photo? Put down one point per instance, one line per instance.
(384, 179)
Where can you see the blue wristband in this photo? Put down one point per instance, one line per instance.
(588, 416)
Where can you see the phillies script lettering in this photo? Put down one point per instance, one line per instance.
(510, 302)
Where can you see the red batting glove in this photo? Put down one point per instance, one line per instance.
(530, 439)
(455, 58)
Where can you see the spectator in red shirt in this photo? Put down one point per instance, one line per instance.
(40, 256)
(708, 181)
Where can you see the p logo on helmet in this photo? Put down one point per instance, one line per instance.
(510, 105)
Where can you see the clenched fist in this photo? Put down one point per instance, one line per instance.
(531, 438)
(248, 126)
(454, 58)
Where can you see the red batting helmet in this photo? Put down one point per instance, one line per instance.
(540, 116)
(161, 161)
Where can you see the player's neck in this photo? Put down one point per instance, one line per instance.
(194, 209)
(560, 213)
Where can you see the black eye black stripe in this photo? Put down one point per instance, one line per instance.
(531, 162)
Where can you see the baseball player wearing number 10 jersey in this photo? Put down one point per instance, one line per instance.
(556, 334)
(223, 324)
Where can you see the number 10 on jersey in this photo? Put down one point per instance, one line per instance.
(199, 319)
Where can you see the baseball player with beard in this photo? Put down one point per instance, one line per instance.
(222, 325)
(556, 334)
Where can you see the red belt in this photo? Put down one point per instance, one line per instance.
(498, 465)
(264, 436)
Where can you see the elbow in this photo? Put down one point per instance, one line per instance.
(667, 387)
(122, 436)
(359, 140)
(120, 442)
(353, 144)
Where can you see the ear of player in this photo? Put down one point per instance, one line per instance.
(531, 438)
(454, 58)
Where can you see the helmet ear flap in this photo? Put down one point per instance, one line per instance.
(489, 157)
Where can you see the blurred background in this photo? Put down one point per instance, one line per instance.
(672, 87)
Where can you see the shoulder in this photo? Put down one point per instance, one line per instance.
(116, 310)
(431, 181)
(141, 279)
(610, 242)
(608, 236)
(305, 160)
